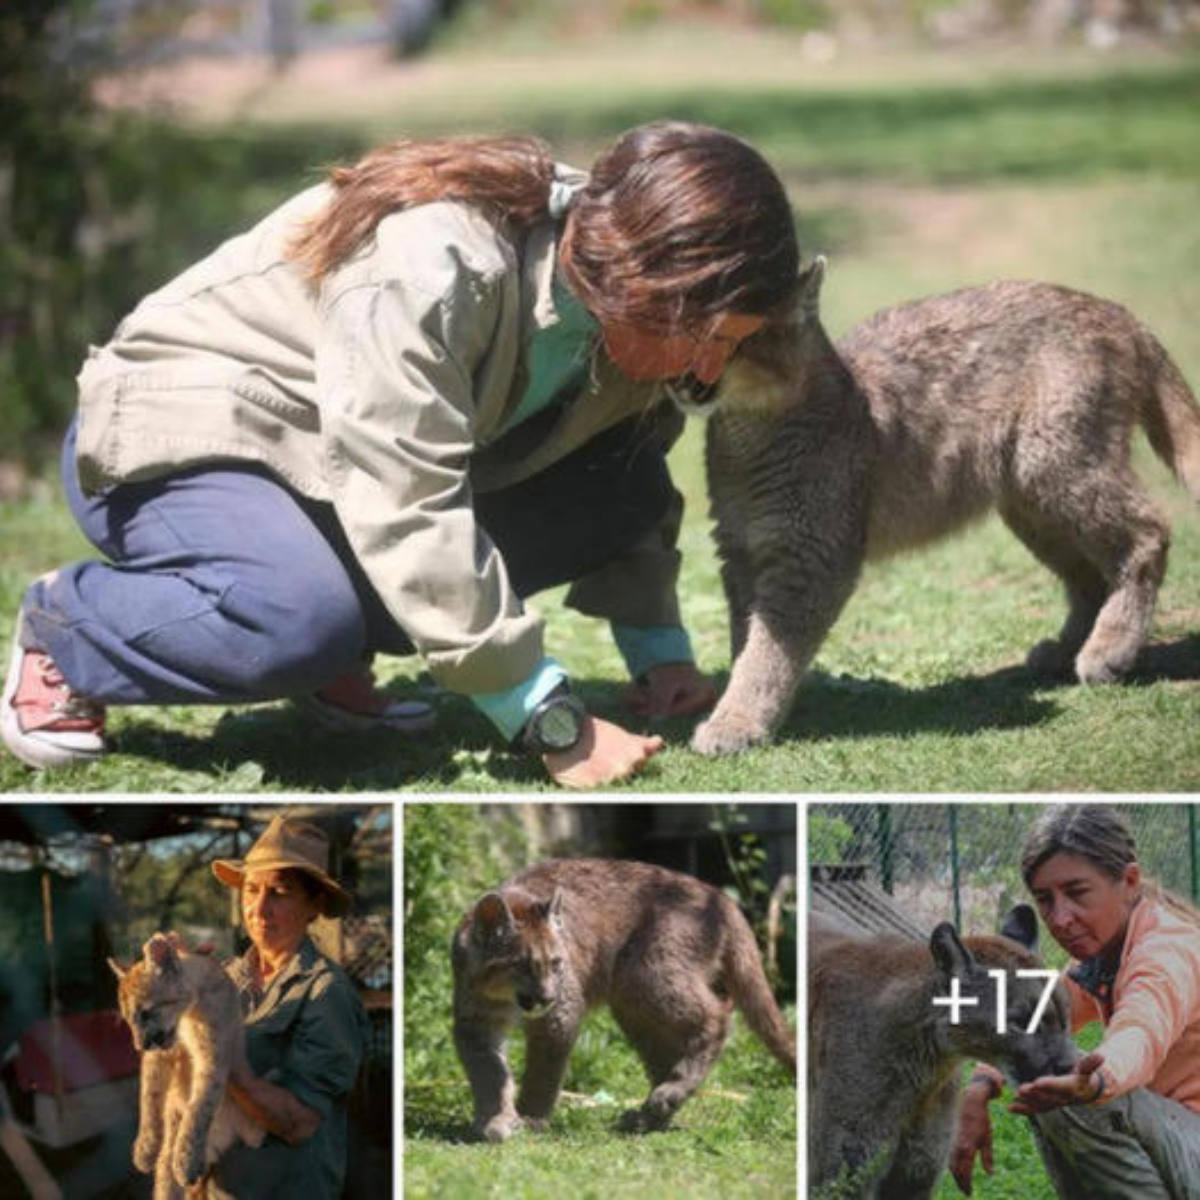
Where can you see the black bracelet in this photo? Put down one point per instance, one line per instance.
(1101, 1084)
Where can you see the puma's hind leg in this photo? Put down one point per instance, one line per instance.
(1054, 658)
(678, 1048)
(1111, 552)
(1135, 565)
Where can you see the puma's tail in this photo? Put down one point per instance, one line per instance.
(1171, 416)
(752, 993)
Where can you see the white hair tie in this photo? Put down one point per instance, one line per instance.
(562, 193)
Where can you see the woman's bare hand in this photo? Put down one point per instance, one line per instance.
(605, 753)
(1057, 1091)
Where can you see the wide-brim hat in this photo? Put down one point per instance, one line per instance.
(288, 843)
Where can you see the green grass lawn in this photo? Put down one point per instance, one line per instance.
(914, 176)
(735, 1138)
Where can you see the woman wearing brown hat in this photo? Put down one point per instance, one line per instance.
(305, 1028)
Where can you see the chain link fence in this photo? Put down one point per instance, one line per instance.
(960, 862)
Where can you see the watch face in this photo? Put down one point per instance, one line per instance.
(559, 726)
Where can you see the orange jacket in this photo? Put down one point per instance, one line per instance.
(1152, 1038)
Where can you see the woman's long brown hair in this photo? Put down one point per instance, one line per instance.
(678, 224)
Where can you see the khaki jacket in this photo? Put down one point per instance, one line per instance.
(385, 393)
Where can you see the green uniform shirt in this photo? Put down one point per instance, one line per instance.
(306, 1033)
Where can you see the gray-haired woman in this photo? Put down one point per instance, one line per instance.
(1126, 1122)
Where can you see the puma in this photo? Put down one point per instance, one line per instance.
(671, 957)
(186, 1020)
(885, 1051)
(1015, 397)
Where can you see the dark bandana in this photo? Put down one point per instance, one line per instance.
(1096, 977)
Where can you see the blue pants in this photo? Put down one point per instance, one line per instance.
(223, 585)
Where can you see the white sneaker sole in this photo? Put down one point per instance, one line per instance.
(404, 716)
(41, 748)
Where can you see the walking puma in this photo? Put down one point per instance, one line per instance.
(186, 1020)
(1019, 397)
(671, 957)
(885, 1053)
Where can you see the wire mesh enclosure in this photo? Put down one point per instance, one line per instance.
(897, 865)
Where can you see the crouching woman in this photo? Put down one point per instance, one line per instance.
(1126, 1122)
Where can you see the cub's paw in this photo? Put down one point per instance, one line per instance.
(643, 1120)
(1097, 668)
(187, 1164)
(727, 735)
(145, 1155)
(499, 1128)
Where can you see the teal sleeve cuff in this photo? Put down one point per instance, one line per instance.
(509, 710)
(646, 646)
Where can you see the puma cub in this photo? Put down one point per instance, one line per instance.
(1018, 397)
(186, 1020)
(885, 1050)
(669, 955)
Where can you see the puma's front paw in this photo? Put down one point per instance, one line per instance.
(647, 1119)
(145, 1154)
(498, 1128)
(187, 1164)
(728, 735)
(1098, 662)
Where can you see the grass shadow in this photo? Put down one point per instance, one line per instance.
(1159, 661)
(278, 747)
(427, 1127)
(841, 706)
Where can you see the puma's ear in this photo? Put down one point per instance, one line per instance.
(491, 915)
(808, 289)
(1021, 926)
(119, 971)
(951, 956)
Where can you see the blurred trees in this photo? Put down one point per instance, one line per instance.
(46, 141)
(98, 207)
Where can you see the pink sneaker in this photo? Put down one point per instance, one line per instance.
(43, 721)
(354, 702)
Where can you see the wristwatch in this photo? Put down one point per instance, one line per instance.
(556, 724)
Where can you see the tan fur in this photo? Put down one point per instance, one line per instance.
(1017, 397)
(669, 955)
(884, 1059)
(186, 1020)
